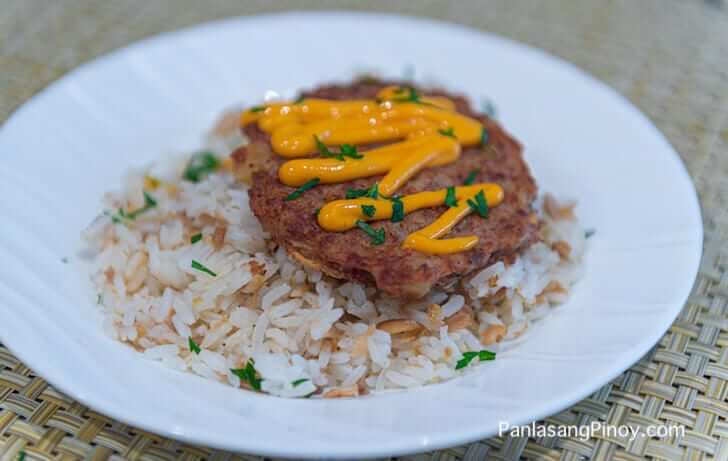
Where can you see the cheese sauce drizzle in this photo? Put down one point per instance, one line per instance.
(430, 134)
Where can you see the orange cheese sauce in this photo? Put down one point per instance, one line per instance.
(426, 131)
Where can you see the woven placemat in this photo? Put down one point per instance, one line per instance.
(668, 57)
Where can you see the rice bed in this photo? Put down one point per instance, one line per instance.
(307, 334)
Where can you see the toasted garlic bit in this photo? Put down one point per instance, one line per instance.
(340, 392)
(254, 285)
(434, 313)
(556, 210)
(228, 164)
(136, 272)
(257, 268)
(405, 338)
(151, 183)
(360, 348)
(218, 237)
(398, 326)
(493, 334)
(497, 297)
(460, 319)
(562, 248)
(554, 287)
(313, 265)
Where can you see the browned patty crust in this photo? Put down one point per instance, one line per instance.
(404, 273)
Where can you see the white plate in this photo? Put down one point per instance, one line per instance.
(72, 141)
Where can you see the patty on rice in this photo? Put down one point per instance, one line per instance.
(511, 226)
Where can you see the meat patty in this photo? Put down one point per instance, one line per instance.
(403, 273)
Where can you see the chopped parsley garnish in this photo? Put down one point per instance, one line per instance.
(471, 177)
(589, 232)
(369, 210)
(448, 132)
(200, 165)
(377, 235)
(99, 299)
(64, 260)
(121, 215)
(195, 238)
(347, 150)
(298, 382)
(194, 347)
(257, 109)
(355, 193)
(397, 209)
(21, 455)
(196, 265)
(410, 95)
(299, 100)
(450, 198)
(469, 356)
(479, 204)
(484, 136)
(248, 374)
(311, 183)
(317, 211)
(323, 149)
(372, 192)
(149, 203)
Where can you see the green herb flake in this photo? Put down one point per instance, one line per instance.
(479, 204)
(316, 212)
(450, 132)
(248, 374)
(257, 109)
(21, 455)
(484, 136)
(369, 210)
(347, 150)
(377, 235)
(298, 382)
(471, 177)
(200, 164)
(589, 232)
(121, 216)
(355, 193)
(450, 198)
(195, 238)
(196, 265)
(397, 209)
(99, 299)
(324, 150)
(194, 347)
(299, 100)
(310, 184)
(410, 95)
(64, 260)
(373, 192)
(468, 357)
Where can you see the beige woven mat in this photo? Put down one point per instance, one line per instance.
(669, 57)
